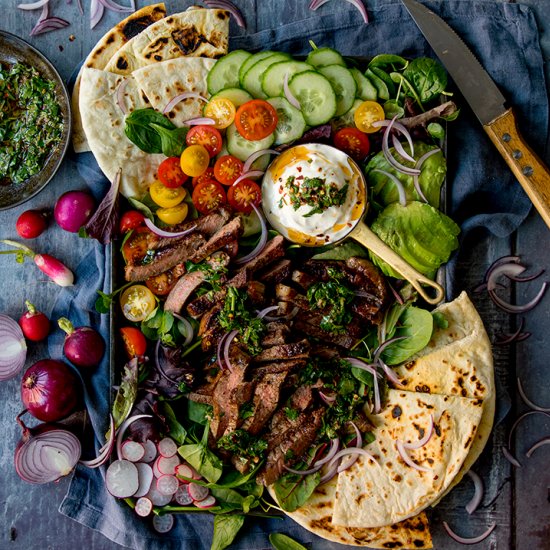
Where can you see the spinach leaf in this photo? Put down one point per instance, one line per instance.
(440, 321)
(436, 130)
(172, 140)
(393, 109)
(293, 491)
(145, 209)
(280, 541)
(139, 131)
(158, 326)
(177, 431)
(198, 412)
(226, 528)
(228, 496)
(427, 76)
(384, 60)
(342, 252)
(202, 458)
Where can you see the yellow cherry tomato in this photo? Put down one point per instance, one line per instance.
(173, 215)
(137, 303)
(222, 110)
(166, 196)
(194, 160)
(367, 113)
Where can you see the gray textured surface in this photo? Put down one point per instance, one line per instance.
(517, 500)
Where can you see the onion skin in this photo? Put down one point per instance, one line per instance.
(84, 346)
(73, 210)
(50, 390)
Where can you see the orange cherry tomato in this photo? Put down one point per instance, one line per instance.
(131, 220)
(208, 196)
(208, 137)
(227, 169)
(353, 142)
(256, 119)
(134, 341)
(207, 175)
(170, 173)
(243, 194)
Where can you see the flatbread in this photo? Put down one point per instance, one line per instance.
(376, 494)
(163, 81)
(194, 33)
(103, 121)
(107, 46)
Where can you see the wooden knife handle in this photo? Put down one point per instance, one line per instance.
(530, 171)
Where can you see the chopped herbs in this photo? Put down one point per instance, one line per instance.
(214, 270)
(243, 444)
(291, 414)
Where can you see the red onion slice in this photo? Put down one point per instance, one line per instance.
(425, 156)
(527, 277)
(334, 446)
(512, 308)
(349, 451)
(401, 150)
(230, 338)
(542, 442)
(189, 333)
(390, 374)
(289, 95)
(162, 233)
(400, 128)
(519, 420)
(113, 6)
(13, 348)
(122, 430)
(264, 312)
(331, 472)
(387, 153)
(261, 243)
(200, 121)
(361, 8)
(421, 442)
(358, 443)
(33, 5)
(46, 24)
(380, 349)
(327, 399)
(159, 366)
(500, 261)
(511, 458)
(397, 183)
(407, 459)
(472, 506)
(472, 540)
(187, 95)
(372, 369)
(231, 8)
(302, 472)
(105, 451)
(316, 4)
(254, 156)
(250, 174)
(513, 269)
(287, 317)
(528, 402)
(219, 351)
(120, 95)
(96, 13)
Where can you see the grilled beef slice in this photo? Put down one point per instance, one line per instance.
(275, 273)
(230, 232)
(277, 366)
(296, 350)
(276, 334)
(273, 250)
(344, 340)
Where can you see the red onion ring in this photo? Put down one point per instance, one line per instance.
(250, 174)
(472, 540)
(122, 430)
(261, 243)
(316, 4)
(334, 446)
(528, 402)
(254, 156)
(96, 13)
(379, 350)
(527, 277)
(390, 374)
(46, 23)
(160, 367)
(425, 156)
(289, 95)
(359, 444)
(33, 5)
(418, 189)
(120, 95)
(397, 183)
(472, 506)
(287, 317)
(228, 341)
(189, 333)
(264, 312)
(329, 475)
(349, 451)
(518, 421)
(511, 458)
(401, 150)
(390, 158)
(219, 356)
(364, 294)
(512, 308)
(361, 8)
(162, 233)
(421, 442)
(372, 369)
(542, 442)
(513, 269)
(399, 127)
(200, 121)
(508, 339)
(180, 97)
(302, 472)
(113, 6)
(231, 8)
(407, 459)
(13, 348)
(500, 261)
(328, 400)
(105, 451)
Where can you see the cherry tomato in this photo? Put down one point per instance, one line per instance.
(208, 196)
(166, 197)
(137, 303)
(134, 341)
(136, 246)
(208, 174)
(353, 142)
(256, 119)
(194, 160)
(170, 174)
(227, 169)
(221, 110)
(243, 194)
(367, 113)
(173, 215)
(208, 137)
(131, 220)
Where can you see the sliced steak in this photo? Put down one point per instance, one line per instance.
(230, 232)
(162, 284)
(198, 397)
(343, 340)
(296, 350)
(305, 280)
(256, 292)
(275, 272)
(209, 319)
(273, 250)
(285, 293)
(276, 367)
(276, 334)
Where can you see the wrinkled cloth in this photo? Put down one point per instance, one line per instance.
(482, 193)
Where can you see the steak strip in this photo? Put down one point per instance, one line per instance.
(296, 350)
(227, 234)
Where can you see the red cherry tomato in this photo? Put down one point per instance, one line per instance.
(227, 169)
(31, 224)
(208, 137)
(170, 173)
(353, 142)
(256, 119)
(207, 175)
(208, 196)
(131, 220)
(243, 194)
(134, 341)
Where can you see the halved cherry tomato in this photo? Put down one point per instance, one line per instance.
(170, 173)
(367, 113)
(136, 246)
(256, 119)
(165, 196)
(208, 174)
(207, 136)
(175, 214)
(194, 160)
(353, 142)
(227, 169)
(243, 194)
(208, 196)
(222, 110)
(137, 303)
(134, 341)
(131, 220)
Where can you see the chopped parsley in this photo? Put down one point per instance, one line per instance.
(291, 414)
(241, 443)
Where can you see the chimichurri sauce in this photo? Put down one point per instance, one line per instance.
(31, 122)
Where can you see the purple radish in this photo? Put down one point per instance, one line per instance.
(207, 502)
(167, 485)
(167, 447)
(150, 451)
(163, 524)
(122, 479)
(198, 492)
(168, 465)
(145, 476)
(132, 451)
(182, 496)
(143, 507)
(157, 498)
(83, 346)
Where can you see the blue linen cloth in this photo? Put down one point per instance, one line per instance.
(483, 194)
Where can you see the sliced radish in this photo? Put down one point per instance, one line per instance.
(168, 465)
(132, 451)
(157, 473)
(198, 492)
(122, 479)
(184, 470)
(207, 502)
(163, 524)
(145, 476)
(144, 507)
(167, 485)
(157, 498)
(167, 447)
(150, 451)
(182, 496)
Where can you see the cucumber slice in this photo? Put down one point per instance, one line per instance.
(365, 89)
(242, 148)
(316, 96)
(252, 81)
(254, 58)
(273, 78)
(381, 89)
(343, 84)
(291, 124)
(237, 96)
(225, 73)
(321, 57)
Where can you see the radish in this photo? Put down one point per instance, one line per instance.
(156, 472)
(143, 507)
(150, 451)
(83, 346)
(163, 524)
(145, 476)
(122, 479)
(167, 485)
(73, 210)
(167, 447)
(198, 492)
(207, 502)
(157, 498)
(34, 324)
(132, 451)
(31, 224)
(184, 470)
(168, 465)
(182, 496)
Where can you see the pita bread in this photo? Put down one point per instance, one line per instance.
(163, 81)
(194, 33)
(104, 122)
(107, 46)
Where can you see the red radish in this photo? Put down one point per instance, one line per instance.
(167, 447)
(132, 451)
(73, 210)
(163, 524)
(143, 507)
(157, 498)
(150, 451)
(52, 267)
(145, 475)
(167, 485)
(184, 470)
(168, 465)
(198, 492)
(157, 473)
(207, 502)
(121, 479)
(182, 496)
(83, 346)
(31, 224)
(50, 390)
(34, 324)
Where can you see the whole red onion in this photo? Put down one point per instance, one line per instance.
(84, 346)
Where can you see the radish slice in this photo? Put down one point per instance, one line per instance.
(122, 430)
(143, 507)
(150, 451)
(145, 476)
(122, 479)
(167, 485)
(198, 492)
(163, 524)
(132, 451)
(168, 465)
(183, 470)
(156, 472)
(207, 502)
(167, 447)
(182, 496)
(157, 498)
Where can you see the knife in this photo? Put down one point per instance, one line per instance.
(488, 105)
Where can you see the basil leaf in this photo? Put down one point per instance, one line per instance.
(279, 541)
(226, 528)
(177, 431)
(139, 131)
(293, 491)
(172, 140)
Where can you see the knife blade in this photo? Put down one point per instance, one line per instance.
(487, 103)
